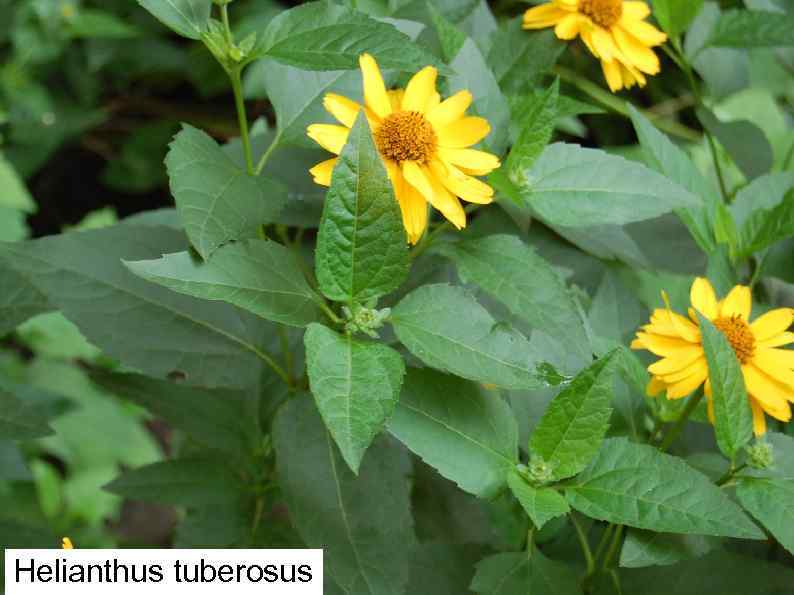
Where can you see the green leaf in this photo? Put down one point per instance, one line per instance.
(675, 16)
(538, 123)
(13, 192)
(541, 504)
(443, 568)
(764, 193)
(98, 24)
(355, 384)
(449, 36)
(572, 429)
(513, 273)
(187, 17)
(261, 276)
(325, 36)
(766, 227)
(745, 142)
(733, 420)
(469, 436)
(474, 74)
(447, 329)
(361, 247)
(647, 548)
(519, 58)
(147, 327)
(752, 29)
(363, 523)
(217, 419)
(19, 299)
(188, 482)
(576, 187)
(524, 574)
(217, 201)
(19, 421)
(639, 486)
(669, 160)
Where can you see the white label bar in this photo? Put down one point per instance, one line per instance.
(199, 572)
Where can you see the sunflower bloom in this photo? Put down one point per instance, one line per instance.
(768, 371)
(614, 31)
(424, 142)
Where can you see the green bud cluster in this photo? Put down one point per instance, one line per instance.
(365, 319)
(761, 455)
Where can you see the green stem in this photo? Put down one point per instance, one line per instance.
(681, 421)
(588, 553)
(242, 118)
(272, 363)
(617, 539)
(330, 313)
(604, 540)
(730, 474)
(619, 106)
(226, 26)
(266, 155)
(287, 353)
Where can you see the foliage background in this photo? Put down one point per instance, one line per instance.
(92, 93)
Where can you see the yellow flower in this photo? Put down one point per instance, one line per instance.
(768, 372)
(614, 31)
(423, 142)
(67, 544)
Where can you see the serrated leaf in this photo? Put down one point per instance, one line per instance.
(647, 548)
(18, 421)
(259, 275)
(752, 29)
(447, 329)
(570, 433)
(189, 482)
(745, 142)
(217, 419)
(537, 127)
(733, 419)
(13, 192)
(764, 193)
(357, 520)
(524, 574)
(639, 486)
(576, 187)
(767, 227)
(187, 17)
(513, 273)
(468, 436)
(325, 36)
(19, 299)
(145, 326)
(361, 246)
(217, 201)
(450, 37)
(675, 16)
(519, 58)
(669, 160)
(541, 504)
(355, 384)
(443, 568)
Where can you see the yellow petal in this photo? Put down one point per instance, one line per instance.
(777, 341)
(450, 110)
(703, 298)
(677, 361)
(322, 171)
(667, 322)
(644, 32)
(636, 53)
(635, 11)
(759, 419)
(655, 386)
(471, 159)
(343, 109)
(424, 181)
(662, 345)
(604, 44)
(396, 99)
(432, 103)
(772, 396)
(463, 133)
(419, 90)
(738, 302)
(687, 385)
(612, 74)
(412, 206)
(543, 16)
(699, 366)
(772, 324)
(570, 25)
(468, 188)
(777, 363)
(374, 88)
(329, 136)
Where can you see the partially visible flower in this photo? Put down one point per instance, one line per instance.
(614, 31)
(424, 143)
(67, 544)
(768, 371)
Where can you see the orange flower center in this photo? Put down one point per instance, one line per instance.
(602, 12)
(406, 136)
(739, 335)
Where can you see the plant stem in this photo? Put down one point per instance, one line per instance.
(272, 363)
(242, 118)
(266, 155)
(330, 313)
(588, 553)
(285, 350)
(730, 474)
(673, 433)
(614, 546)
(604, 540)
(619, 106)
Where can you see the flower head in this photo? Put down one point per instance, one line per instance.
(424, 143)
(614, 31)
(768, 371)
(67, 544)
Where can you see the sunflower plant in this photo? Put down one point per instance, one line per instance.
(477, 297)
